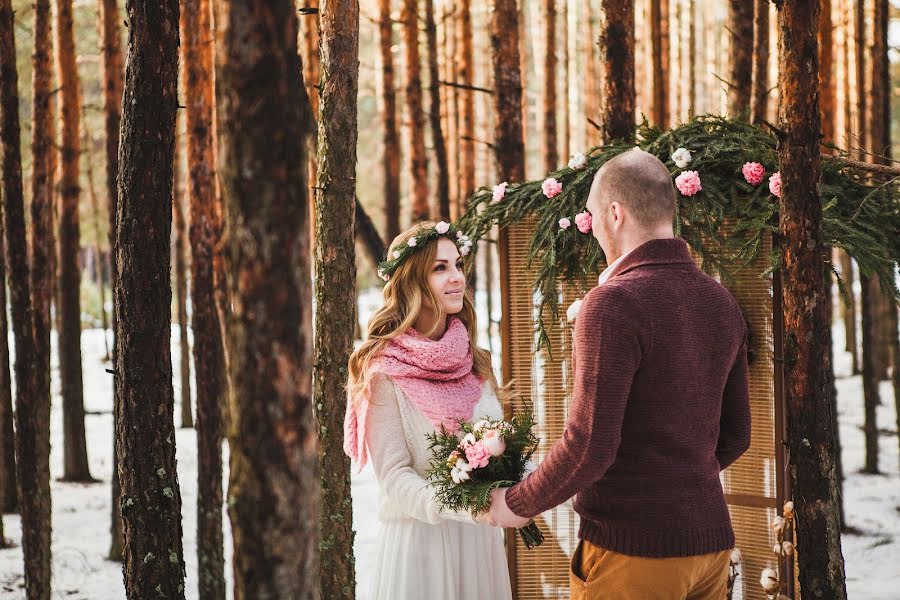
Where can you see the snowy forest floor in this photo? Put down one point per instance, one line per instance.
(81, 513)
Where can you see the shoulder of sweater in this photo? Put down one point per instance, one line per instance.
(612, 296)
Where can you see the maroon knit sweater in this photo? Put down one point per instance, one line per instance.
(660, 405)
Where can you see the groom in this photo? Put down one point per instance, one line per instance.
(660, 406)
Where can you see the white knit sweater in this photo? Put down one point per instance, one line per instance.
(399, 453)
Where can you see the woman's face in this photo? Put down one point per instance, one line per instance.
(446, 279)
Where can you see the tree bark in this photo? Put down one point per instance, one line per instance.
(179, 256)
(6, 413)
(587, 47)
(740, 27)
(659, 41)
(550, 141)
(617, 65)
(145, 434)
(871, 399)
(849, 311)
(808, 390)
(274, 480)
(391, 139)
(759, 96)
(335, 281)
(112, 75)
(692, 57)
(75, 459)
(368, 235)
(437, 134)
(509, 144)
(465, 75)
(95, 212)
(205, 233)
(860, 50)
(566, 125)
(827, 89)
(32, 412)
(418, 163)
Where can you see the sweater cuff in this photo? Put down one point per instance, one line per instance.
(516, 502)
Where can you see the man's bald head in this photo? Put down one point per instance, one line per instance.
(641, 183)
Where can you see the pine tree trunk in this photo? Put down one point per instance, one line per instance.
(692, 58)
(880, 141)
(659, 41)
(418, 163)
(509, 144)
(587, 48)
(391, 139)
(6, 413)
(273, 493)
(617, 65)
(466, 76)
(849, 311)
(566, 125)
(453, 104)
(179, 257)
(871, 398)
(112, 74)
(549, 143)
(827, 89)
(759, 96)
(205, 232)
(740, 27)
(75, 460)
(145, 428)
(335, 282)
(860, 49)
(808, 390)
(9, 501)
(437, 134)
(32, 412)
(95, 212)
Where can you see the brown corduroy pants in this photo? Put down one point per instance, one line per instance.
(599, 574)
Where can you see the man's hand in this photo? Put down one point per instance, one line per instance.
(501, 515)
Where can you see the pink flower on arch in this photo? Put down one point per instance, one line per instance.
(688, 183)
(775, 184)
(583, 222)
(477, 455)
(551, 187)
(499, 192)
(754, 173)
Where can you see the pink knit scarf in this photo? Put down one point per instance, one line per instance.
(436, 376)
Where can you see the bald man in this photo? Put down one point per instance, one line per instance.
(660, 406)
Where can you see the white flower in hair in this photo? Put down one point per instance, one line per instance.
(412, 242)
(460, 235)
(681, 157)
(578, 161)
(442, 227)
(573, 310)
(396, 254)
(464, 250)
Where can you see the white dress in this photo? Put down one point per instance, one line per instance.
(425, 552)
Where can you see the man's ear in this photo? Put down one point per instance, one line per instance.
(617, 213)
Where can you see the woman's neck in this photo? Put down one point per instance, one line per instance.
(428, 324)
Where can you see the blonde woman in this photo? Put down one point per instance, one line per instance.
(420, 369)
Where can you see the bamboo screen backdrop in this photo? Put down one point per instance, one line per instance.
(753, 485)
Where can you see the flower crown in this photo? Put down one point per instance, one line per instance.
(443, 229)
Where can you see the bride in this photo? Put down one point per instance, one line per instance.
(419, 369)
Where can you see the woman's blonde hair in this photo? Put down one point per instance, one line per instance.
(405, 294)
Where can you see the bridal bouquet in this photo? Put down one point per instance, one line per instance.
(467, 465)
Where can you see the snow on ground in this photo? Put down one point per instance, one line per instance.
(81, 512)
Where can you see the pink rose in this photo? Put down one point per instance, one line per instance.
(493, 441)
(583, 222)
(551, 187)
(688, 183)
(477, 455)
(499, 192)
(565, 223)
(753, 172)
(775, 184)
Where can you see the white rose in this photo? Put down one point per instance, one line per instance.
(396, 254)
(768, 580)
(463, 465)
(479, 425)
(494, 442)
(467, 440)
(412, 242)
(736, 556)
(681, 157)
(578, 161)
(442, 228)
(565, 223)
(573, 310)
(777, 524)
(464, 250)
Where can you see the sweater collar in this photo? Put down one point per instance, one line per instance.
(667, 251)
